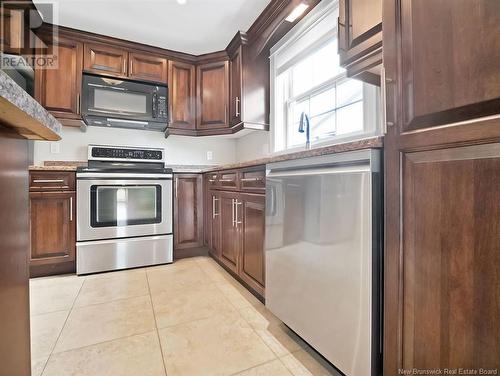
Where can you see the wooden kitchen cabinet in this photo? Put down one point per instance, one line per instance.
(147, 67)
(212, 95)
(182, 95)
(235, 81)
(442, 202)
(13, 31)
(229, 241)
(360, 38)
(251, 219)
(248, 85)
(188, 212)
(53, 230)
(59, 90)
(235, 222)
(105, 59)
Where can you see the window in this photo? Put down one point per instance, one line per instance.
(308, 80)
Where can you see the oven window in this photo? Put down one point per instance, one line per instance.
(125, 205)
(120, 101)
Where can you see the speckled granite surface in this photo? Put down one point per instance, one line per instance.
(13, 93)
(367, 143)
(373, 142)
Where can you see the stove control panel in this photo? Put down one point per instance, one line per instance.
(108, 153)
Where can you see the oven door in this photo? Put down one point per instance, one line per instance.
(123, 208)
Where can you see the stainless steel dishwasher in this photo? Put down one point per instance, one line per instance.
(323, 255)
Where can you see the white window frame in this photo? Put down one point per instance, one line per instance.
(280, 111)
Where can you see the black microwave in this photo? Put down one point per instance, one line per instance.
(111, 102)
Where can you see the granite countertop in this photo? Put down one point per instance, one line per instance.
(367, 143)
(23, 114)
(58, 166)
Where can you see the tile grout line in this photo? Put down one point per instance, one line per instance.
(64, 325)
(156, 326)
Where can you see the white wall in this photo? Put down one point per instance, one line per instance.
(253, 146)
(181, 150)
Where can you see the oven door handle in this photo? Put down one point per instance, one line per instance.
(121, 176)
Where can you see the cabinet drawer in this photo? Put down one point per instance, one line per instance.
(228, 179)
(253, 180)
(52, 181)
(212, 179)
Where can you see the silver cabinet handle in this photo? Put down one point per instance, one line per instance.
(237, 103)
(233, 207)
(78, 104)
(251, 179)
(214, 202)
(236, 221)
(383, 100)
(71, 209)
(176, 186)
(48, 180)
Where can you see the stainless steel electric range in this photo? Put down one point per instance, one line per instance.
(124, 209)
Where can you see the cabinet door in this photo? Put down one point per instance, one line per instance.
(142, 66)
(250, 220)
(12, 33)
(103, 59)
(229, 231)
(53, 228)
(58, 90)
(360, 35)
(182, 95)
(450, 61)
(235, 85)
(451, 227)
(215, 223)
(212, 93)
(187, 211)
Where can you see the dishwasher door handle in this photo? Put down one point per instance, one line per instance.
(319, 171)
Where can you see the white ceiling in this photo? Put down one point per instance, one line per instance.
(197, 27)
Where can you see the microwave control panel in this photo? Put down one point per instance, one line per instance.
(162, 107)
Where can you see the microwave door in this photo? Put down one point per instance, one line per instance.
(120, 102)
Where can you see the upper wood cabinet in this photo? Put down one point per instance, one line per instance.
(143, 66)
(360, 38)
(248, 85)
(235, 81)
(182, 95)
(12, 33)
(59, 90)
(105, 59)
(188, 211)
(449, 73)
(212, 94)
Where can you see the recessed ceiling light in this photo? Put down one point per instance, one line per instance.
(297, 12)
(182, 2)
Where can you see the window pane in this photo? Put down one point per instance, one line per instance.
(349, 91)
(294, 137)
(298, 108)
(323, 125)
(350, 118)
(302, 76)
(323, 102)
(326, 64)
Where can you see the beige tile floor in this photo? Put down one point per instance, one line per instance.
(185, 319)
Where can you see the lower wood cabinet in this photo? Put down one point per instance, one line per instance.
(188, 212)
(53, 232)
(235, 229)
(229, 243)
(252, 229)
